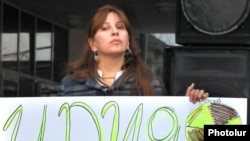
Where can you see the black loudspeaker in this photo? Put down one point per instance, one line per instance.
(223, 72)
(213, 22)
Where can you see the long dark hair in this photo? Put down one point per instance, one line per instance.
(86, 66)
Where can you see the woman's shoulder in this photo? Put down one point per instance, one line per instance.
(68, 80)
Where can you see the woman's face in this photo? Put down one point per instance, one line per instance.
(111, 38)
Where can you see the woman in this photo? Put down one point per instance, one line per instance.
(111, 63)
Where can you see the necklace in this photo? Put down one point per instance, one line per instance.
(108, 77)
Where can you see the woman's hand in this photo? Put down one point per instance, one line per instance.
(195, 94)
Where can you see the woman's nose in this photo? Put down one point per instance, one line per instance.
(114, 31)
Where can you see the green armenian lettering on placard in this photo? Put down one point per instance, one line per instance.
(134, 126)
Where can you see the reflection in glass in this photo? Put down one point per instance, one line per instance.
(26, 38)
(27, 52)
(9, 37)
(9, 47)
(24, 54)
(43, 48)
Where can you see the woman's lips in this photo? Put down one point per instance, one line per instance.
(116, 41)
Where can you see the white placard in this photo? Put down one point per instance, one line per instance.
(111, 118)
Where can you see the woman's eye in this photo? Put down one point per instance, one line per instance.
(120, 27)
(104, 28)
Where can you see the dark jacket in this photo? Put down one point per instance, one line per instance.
(90, 87)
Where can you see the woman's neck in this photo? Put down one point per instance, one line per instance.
(110, 66)
(108, 70)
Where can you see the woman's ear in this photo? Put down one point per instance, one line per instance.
(91, 44)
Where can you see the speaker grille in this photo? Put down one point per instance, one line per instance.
(215, 17)
(223, 72)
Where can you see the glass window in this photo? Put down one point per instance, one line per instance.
(26, 41)
(155, 53)
(43, 49)
(10, 37)
(60, 52)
